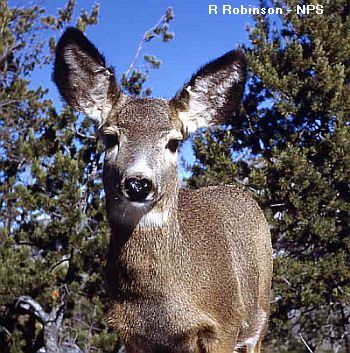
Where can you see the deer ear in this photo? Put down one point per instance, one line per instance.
(213, 93)
(82, 77)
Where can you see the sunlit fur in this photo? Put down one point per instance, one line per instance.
(188, 271)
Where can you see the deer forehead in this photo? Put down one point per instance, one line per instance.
(144, 117)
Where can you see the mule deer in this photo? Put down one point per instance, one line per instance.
(189, 271)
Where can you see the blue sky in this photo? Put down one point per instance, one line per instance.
(199, 37)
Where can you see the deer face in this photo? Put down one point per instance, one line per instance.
(142, 135)
(141, 139)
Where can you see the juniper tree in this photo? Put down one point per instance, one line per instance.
(53, 232)
(290, 146)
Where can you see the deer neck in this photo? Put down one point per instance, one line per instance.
(137, 225)
(162, 217)
(150, 249)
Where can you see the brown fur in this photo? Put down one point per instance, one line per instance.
(189, 271)
(176, 281)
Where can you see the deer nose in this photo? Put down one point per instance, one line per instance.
(137, 189)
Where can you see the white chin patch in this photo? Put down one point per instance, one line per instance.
(139, 205)
(154, 219)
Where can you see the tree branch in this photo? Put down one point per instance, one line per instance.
(52, 324)
(29, 304)
(306, 345)
(146, 37)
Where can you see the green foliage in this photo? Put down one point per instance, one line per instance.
(53, 229)
(290, 146)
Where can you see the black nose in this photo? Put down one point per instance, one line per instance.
(137, 189)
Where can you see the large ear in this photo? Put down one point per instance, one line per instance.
(82, 77)
(213, 93)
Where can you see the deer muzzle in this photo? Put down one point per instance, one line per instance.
(137, 189)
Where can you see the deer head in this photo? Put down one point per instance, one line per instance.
(142, 135)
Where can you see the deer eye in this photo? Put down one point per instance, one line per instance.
(110, 140)
(172, 145)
